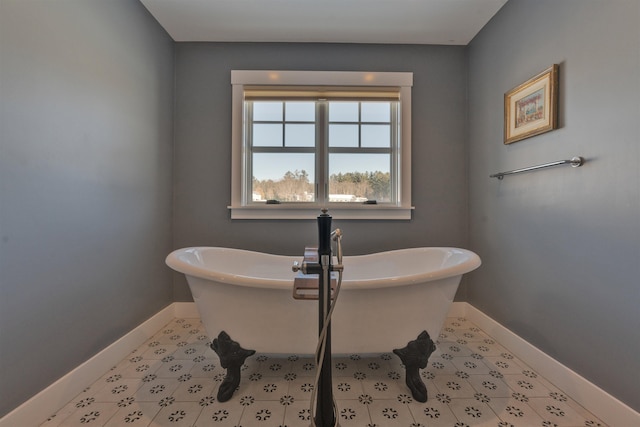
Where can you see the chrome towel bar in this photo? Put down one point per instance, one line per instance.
(574, 162)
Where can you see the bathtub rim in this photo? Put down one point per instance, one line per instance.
(174, 261)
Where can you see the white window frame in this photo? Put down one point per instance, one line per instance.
(239, 207)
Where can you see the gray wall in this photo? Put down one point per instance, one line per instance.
(561, 247)
(203, 147)
(86, 92)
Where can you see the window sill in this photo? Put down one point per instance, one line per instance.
(337, 211)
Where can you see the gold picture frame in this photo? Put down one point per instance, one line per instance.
(532, 107)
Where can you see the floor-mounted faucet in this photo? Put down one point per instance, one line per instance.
(325, 410)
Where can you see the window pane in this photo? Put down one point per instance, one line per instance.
(267, 135)
(267, 111)
(376, 135)
(300, 111)
(359, 177)
(343, 111)
(287, 177)
(297, 135)
(343, 135)
(376, 112)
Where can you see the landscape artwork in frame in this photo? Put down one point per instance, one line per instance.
(532, 107)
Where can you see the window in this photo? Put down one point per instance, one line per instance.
(306, 140)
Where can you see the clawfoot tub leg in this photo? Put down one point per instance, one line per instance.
(232, 356)
(415, 356)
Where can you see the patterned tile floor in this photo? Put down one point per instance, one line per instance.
(172, 380)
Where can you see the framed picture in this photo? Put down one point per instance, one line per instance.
(532, 107)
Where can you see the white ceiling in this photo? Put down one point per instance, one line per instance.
(448, 22)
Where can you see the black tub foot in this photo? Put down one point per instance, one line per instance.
(232, 357)
(415, 357)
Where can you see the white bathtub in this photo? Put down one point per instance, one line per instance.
(387, 299)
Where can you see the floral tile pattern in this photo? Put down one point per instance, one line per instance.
(173, 379)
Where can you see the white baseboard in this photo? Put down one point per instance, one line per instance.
(48, 401)
(458, 309)
(185, 310)
(600, 403)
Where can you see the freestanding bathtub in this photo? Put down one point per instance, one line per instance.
(386, 299)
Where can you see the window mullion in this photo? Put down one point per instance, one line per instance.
(322, 143)
(248, 153)
(284, 124)
(395, 153)
(360, 124)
